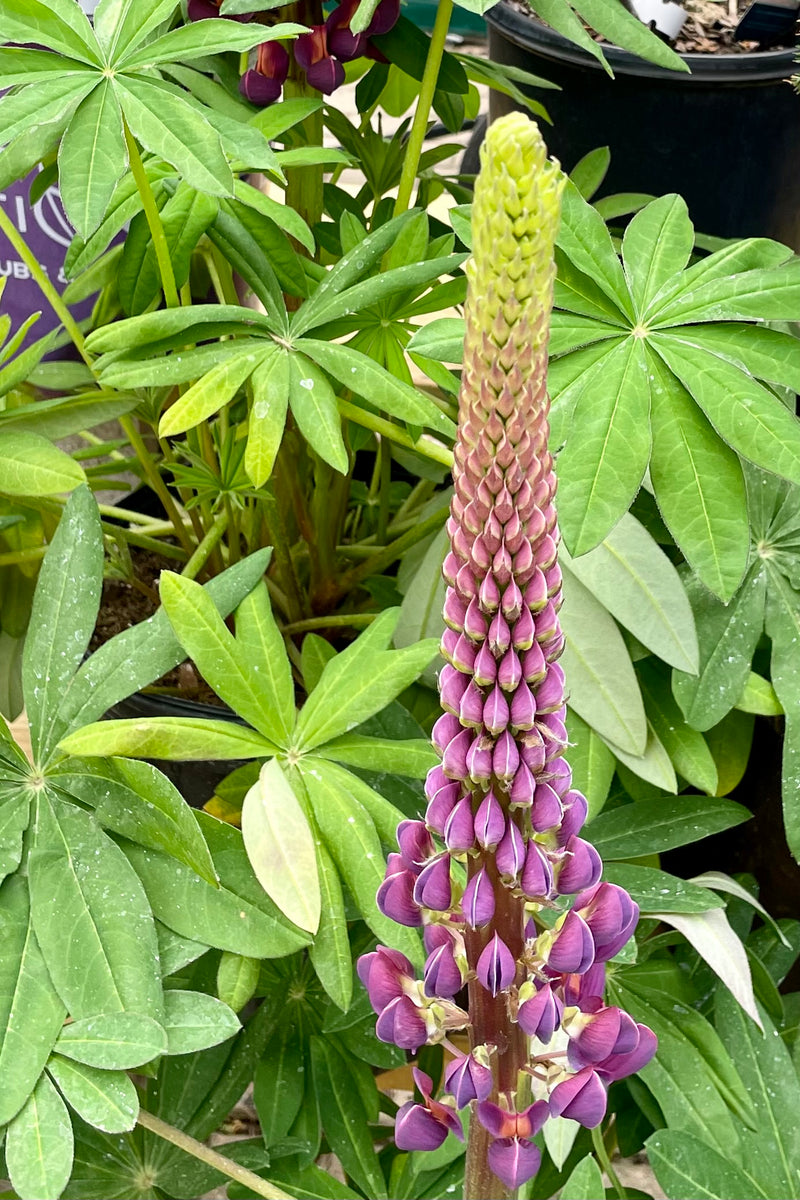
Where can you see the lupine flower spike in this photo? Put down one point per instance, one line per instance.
(487, 873)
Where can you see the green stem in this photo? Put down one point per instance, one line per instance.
(206, 548)
(379, 562)
(283, 555)
(205, 1154)
(154, 479)
(419, 126)
(605, 1161)
(385, 454)
(427, 446)
(339, 621)
(14, 557)
(45, 286)
(153, 217)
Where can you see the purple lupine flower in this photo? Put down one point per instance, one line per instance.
(311, 52)
(425, 1126)
(385, 974)
(503, 797)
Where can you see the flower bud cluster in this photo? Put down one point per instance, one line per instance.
(486, 873)
(320, 53)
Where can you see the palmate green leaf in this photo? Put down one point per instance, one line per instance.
(13, 823)
(79, 879)
(385, 816)
(712, 936)
(656, 247)
(654, 765)
(174, 130)
(201, 38)
(765, 353)
(354, 686)
(60, 25)
(748, 417)
(330, 951)
(244, 236)
(39, 1145)
(264, 648)
(65, 415)
(653, 826)
(607, 452)
(727, 635)
(783, 629)
(270, 384)
(622, 28)
(579, 293)
(32, 466)
(31, 1013)
(591, 760)
(64, 611)
(119, 24)
(368, 379)
(765, 294)
(223, 660)
(351, 839)
(698, 485)
(178, 368)
(568, 377)
(136, 657)
(569, 330)
(603, 687)
(634, 579)
(216, 389)
(106, 1100)
(686, 1166)
(219, 916)
(343, 1118)
(280, 846)
(686, 747)
(194, 1021)
(185, 324)
(411, 758)
(42, 104)
(22, 64)
(135, 800)
(237, 979)
(656, 891)
(284, 217)
(182, 739)
(113, 1041)
(313, 404)
(585, 1181)
(92, 158)
(184, 218)
(759, 697)
(585, 240)
(442, 340)
(279, 1084)
(773, 1152)
(590, 171)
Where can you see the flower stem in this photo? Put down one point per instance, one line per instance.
(419, 125)
(205, 1154)
(204, 551)
(45, 286)
(153, 217)
(154, 479)
(339, 621)
(605, 1161)
(427, 446)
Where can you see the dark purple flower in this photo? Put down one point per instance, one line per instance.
(384, 973)
(500, 1123)
(580, 1097)
(432, 888)
(401, 1023)
(581, 867)
(490, 823)
(611, 916)
(575, 812)
(311, 53)
(442, 973)
(384, 18)
(395, 896)
(342, 42)
(262, 85)
(540, 1011)
(618, 1066)
(425, 1126)
(523, 787)
(467, 1079)
(514, 1161)
(477, 903)
(496, 967)
(595, 1036)
(571, 949)
(582, 991)
(202, 10)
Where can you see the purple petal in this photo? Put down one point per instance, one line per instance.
(499, 635)
(485, 666)
(547, 809)
(477, 903)
(595, 1036)
(496, 967)
(454, 610)
(446, 728)
(583, 990)
(489, 595)
(495, 712)
(546, 622)
(534, 667)
(560, 777)
(464, 652)
(523, 708)
(533, 751)
(524, 630)
(475, 623)
(536, 880)
(540, 1016)
(467, 1080)
(416, 844)
(582, 870)
(416, 1128)
(573, 820)
(490, 822)
(514, 1160)
(385, 17)
(618, 1066)
(434, 780)
(523, 787)
(258, 89)
(345, 44)
(202, 10)
(442, 974)
(454, 758)
(395, 897)
(581, 1098)
(572, 951)
(510, 854)
(452, 685)
(512, 602)
(383, 974)
(459, 830)
(611, 916)
(432, 888)
(479, 762)
(509, 673)
(536, 591)
(441, 805)
(401, 1024)
(470, 712)
(550, 692)
(311, 47)
(505, 758)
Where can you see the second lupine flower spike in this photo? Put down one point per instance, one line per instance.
(492, 899)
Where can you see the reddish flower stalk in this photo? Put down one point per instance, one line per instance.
(486, 873)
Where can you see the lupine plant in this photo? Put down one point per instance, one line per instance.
(487, 871)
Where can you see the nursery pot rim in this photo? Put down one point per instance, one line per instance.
(764, 66)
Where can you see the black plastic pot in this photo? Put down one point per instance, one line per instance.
(196, 781)
(726, 137)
